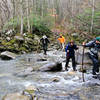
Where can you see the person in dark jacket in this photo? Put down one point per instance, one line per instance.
(93, 54)
(45, 42)
(70, 54)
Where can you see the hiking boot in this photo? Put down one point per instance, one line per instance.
(95, 76)
(74, 69)
(68, 66)
(97, 70)
(66, 69)
(45, 53)
(94, 73)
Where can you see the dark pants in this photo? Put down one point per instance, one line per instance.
(73, 62)
(95, 64)
(45, 49)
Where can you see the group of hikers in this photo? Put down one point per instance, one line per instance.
(70, 48)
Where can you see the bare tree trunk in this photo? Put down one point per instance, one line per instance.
(21, 30)
(13, 10)
(28, 12)
(92, 20)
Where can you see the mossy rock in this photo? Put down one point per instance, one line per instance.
(2, 48)
(3, 42)
(25, 45)
(11, 47)
(30, 36)
(11, 42)
(21, 49)
(35, 43)
(30, 91)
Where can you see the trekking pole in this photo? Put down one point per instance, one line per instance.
(83, 65)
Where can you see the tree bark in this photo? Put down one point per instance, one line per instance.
(92, 20)
(22, 26)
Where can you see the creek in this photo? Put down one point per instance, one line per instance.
(69, 87)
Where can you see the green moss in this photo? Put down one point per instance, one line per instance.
(5, 43)
(22, 49)
(30, 91)
(30, 35)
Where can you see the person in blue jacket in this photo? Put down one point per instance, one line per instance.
(94, 46)
(70, 54)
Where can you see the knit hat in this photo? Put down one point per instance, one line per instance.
(44, 36)
(98, 38)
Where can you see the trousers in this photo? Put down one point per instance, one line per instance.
(73, 62)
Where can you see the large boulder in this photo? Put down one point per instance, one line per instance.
(55, 79)
(10, 32)
(54, 66)
(19, 38)
(74, 34)
(7, 55)
(79, 55)
(86, 60)
(36, 38)
(15, 96)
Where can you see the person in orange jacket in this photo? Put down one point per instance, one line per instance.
(61, 40)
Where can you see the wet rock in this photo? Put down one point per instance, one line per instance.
(10, 32)
(22, 74)
(42, 59)
(8, 38)
(98, 76)
(55, 66)
(7, 55)
(30, 91)
(15, 96)
(36, 38)
(25, 73)
(75, 34)
(2, 48)
(93, 84)
(79, 55)
(40, 99)
(72, 73)
(19, 38)
(28, 40)
(29, 69)
(31, 88)
(56, 79)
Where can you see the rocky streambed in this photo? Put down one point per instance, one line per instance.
(23, 72)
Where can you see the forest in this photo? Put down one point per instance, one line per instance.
(49, 49)
(78, 16)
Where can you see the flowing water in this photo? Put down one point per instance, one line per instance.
(69, 86)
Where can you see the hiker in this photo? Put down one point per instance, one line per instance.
(70, 54)
(93, 54)
(45, 42)
(61, 40)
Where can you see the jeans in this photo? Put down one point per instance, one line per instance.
(95, 64)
